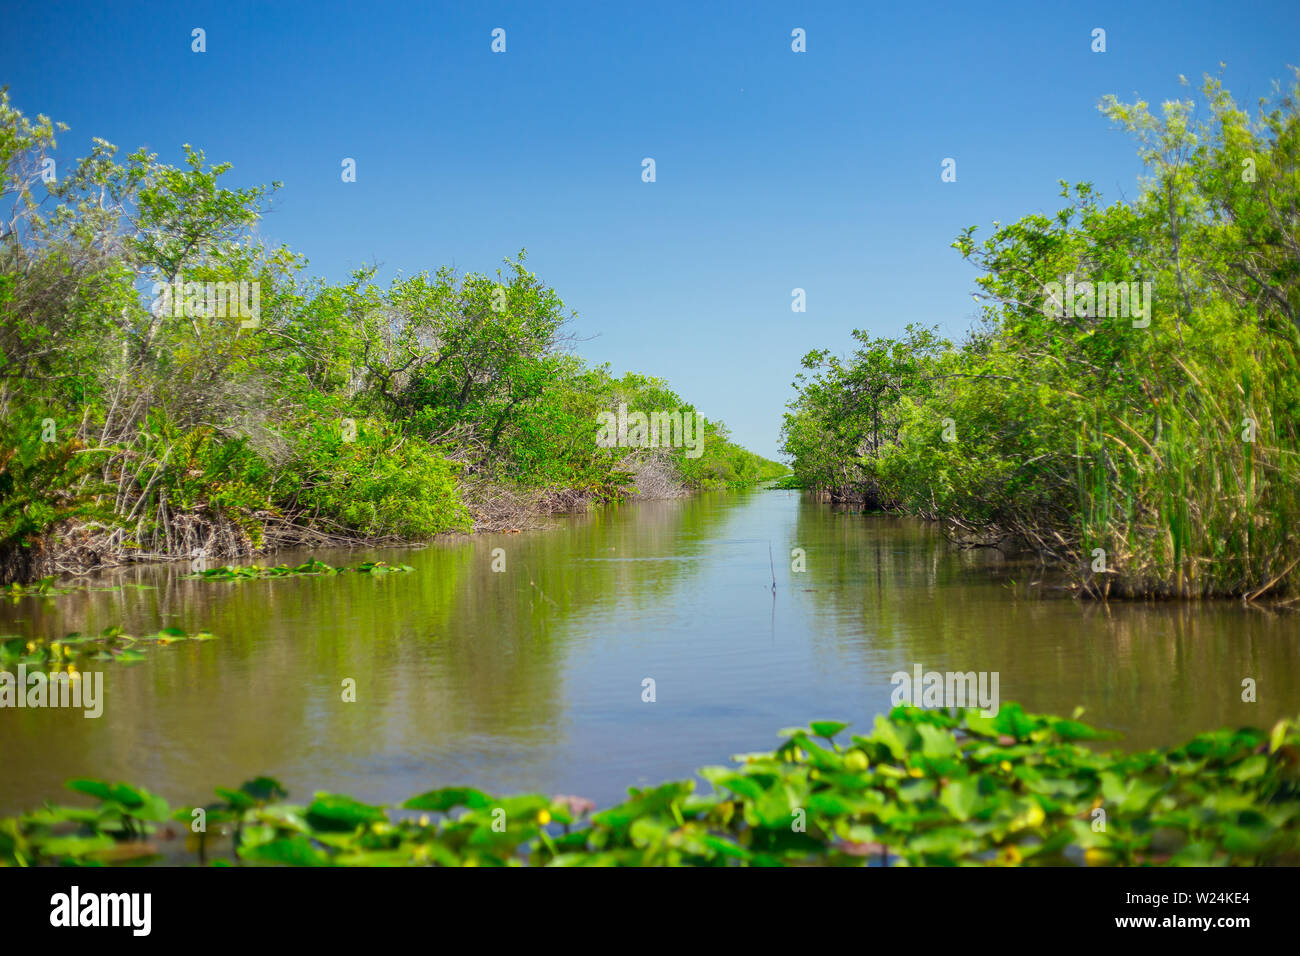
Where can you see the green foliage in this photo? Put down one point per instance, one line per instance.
(310, 568)
(46, 588)
(725, 465)
(181, 211)
(42, 483)
(847, 410)
(110, 645)
(197, 470)
(218, 433)
(380, 484)
(716, 463)
(924, 788)
(1143, 459)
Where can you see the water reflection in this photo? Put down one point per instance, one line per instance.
(531, 678)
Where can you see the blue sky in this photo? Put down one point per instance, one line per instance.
(775, 169)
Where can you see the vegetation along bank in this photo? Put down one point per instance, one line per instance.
(173, 386)
(1129, 407)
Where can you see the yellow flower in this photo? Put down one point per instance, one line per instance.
(1005, 766)
(915, 772)
(543, 817)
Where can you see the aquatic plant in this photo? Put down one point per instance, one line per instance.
(110, 645)
(925, 787)
(229, 573)
(45, 587)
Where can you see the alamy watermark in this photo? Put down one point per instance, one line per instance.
(209, 300)
(75, 908)
(38, 689)
(947, 689)
(655, 430)
(1124, 300)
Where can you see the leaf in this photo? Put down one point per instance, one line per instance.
(1278, 735)
(1013, 721)
(827, 728)
(264, 789)
(332, 812)
(291, 851)
(742, 785)
(888, 734)
(1250, 768)
(1073, 730)
(93, 788)
(440, 801)
(936, 743)
(961, 797)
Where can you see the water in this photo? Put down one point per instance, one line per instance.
(531, 679)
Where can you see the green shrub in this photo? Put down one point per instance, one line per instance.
(380, 484)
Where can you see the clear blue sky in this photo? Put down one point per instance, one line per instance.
(776, 170)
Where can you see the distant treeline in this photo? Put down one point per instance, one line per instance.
(1144, 435)
(172, 386)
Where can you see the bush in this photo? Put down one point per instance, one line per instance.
(381, 484)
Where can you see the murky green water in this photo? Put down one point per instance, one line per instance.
(531, 679)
